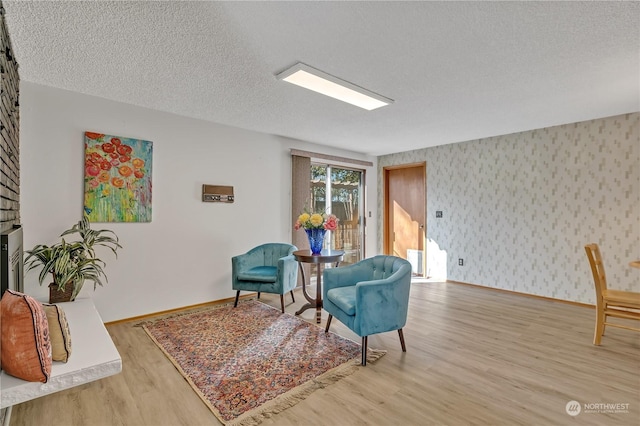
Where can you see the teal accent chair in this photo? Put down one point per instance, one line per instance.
(268, 268)
(369, 297)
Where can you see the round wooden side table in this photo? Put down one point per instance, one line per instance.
(305, 256)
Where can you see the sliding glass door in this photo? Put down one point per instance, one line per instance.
(344, 189)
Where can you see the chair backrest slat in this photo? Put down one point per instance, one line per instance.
(597, 268)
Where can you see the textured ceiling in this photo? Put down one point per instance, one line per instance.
(456, 70)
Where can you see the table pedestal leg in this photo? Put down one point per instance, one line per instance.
(312, 303)
(318, 294)
(318, 260)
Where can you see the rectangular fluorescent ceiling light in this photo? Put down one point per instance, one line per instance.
(310, 78)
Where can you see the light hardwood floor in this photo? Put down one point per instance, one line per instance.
(474, 356)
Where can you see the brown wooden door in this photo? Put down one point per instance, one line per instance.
(405, 213)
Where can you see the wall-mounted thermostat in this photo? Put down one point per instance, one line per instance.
(217, 194)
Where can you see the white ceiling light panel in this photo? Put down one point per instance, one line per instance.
(310, 78)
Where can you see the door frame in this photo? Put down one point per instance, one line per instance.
(387, 243)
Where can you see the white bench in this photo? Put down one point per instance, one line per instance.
(93, 357)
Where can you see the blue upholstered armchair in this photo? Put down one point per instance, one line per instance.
(369, 297)
(268, 268)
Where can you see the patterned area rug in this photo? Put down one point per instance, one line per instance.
(253, 361)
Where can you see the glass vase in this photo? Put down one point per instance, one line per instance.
(316, 239)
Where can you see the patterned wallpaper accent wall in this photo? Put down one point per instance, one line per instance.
(519, 208)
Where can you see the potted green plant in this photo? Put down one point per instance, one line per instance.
(72, 262)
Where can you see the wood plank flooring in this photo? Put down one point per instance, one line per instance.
(474, 356)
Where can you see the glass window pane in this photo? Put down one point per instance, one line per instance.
(345, 190)
(318, 188)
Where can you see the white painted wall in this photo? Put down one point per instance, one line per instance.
(183, 257)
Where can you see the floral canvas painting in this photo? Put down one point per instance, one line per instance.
(117, 178)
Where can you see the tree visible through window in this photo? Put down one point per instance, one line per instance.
(344, 186)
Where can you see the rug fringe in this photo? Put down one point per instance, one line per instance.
(300, 393)
(287, 401)
(374, 354)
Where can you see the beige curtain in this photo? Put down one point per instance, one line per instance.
(300, 192)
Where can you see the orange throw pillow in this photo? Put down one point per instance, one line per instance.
(25, 348)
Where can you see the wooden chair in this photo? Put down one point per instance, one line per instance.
(610, 303)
